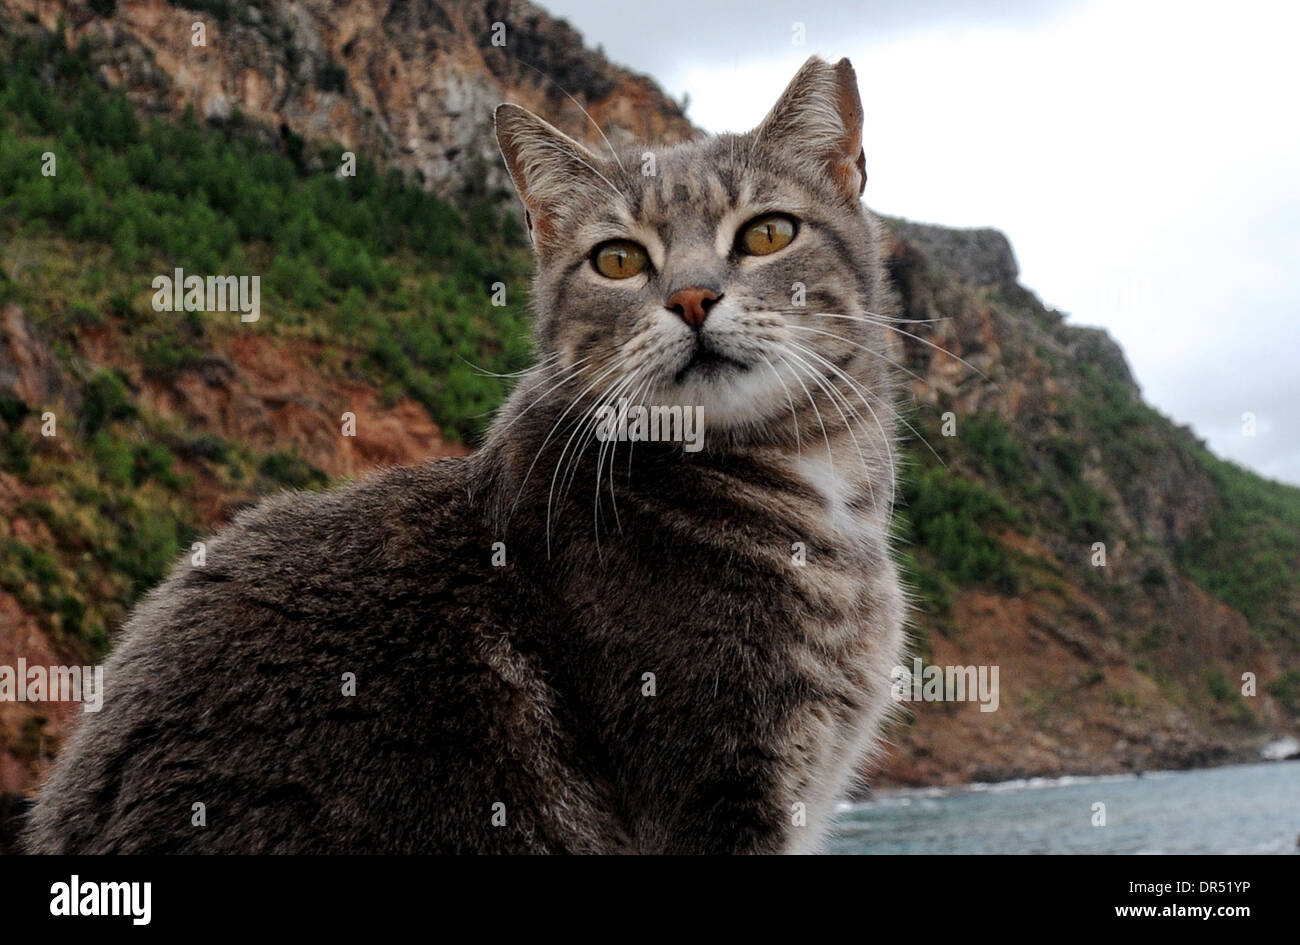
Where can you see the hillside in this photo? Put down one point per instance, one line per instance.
(1132, 665)
(377, 302)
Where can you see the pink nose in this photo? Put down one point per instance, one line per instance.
(693, 304)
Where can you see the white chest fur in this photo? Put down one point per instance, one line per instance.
(853, 653)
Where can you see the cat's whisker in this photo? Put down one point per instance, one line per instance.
(612, 444)
(587, 164)
(573, 372)
(913, 430)
(609, 400)
(646, 387)
(830, 462)
(894, 415)
(584, 111)
(848, 427)
(639, 397)
(541, 448)
(907, 321)
(539, 366)
(580, 424)
(885, 439)
(876, 320)
(589, 419)
(794, 417)
(874, 317)
(867, 348)
(577, 424)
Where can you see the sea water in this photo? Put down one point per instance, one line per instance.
(1251, 808)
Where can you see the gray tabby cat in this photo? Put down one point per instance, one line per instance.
(670, 650)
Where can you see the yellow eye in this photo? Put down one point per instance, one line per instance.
(619, 259)
(766, 235)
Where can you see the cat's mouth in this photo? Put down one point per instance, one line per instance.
(708, 363)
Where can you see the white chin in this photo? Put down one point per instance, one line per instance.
(730, 397)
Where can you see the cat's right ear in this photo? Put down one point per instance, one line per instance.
(548, 169)
(818, 119)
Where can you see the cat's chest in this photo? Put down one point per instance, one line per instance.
(846, 649)
(849, 510)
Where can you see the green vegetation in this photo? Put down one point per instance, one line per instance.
(393, 286)
(943, 543)
(368, 261)
(990, 439)
(1116, 418)
(1249, 555)
(947, 516)
(290, 470)
(1229, 699)
(1286, 690)
(396, 283)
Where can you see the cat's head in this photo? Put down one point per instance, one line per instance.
(737, 273)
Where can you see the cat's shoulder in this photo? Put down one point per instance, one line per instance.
(390, 506)
(317, 553)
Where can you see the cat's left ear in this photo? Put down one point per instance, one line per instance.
(818, 119)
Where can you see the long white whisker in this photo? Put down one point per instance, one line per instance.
(551, 433)
(829, 461)
(581, 422)
(584, 111)
(539, 366)
(587, 165)
(907, 334)
(872, 351)
(913, 430)
(798, 440)
(612, 445)
(831, 394)
(573, 372)
(885, 439)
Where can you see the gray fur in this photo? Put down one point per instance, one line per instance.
(525, 685)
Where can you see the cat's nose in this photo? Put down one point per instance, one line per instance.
(693, 304)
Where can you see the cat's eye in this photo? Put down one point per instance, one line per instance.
(619, 259)
(767, 234)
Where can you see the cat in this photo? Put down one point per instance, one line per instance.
(563, 642)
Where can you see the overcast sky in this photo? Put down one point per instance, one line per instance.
(1143, 158)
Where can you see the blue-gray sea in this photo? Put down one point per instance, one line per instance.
(1251, 808)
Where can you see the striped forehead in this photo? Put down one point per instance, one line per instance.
(691, 192)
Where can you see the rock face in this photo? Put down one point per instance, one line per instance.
(410, 82)
(28, 369)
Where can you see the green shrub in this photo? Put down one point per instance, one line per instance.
(107, 400)
(947, 517)
(287, 468)
(989, 437)
(1286, 690)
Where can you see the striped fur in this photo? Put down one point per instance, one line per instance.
(681, 651)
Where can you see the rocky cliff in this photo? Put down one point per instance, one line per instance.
(1121, 578)
(411, 83)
